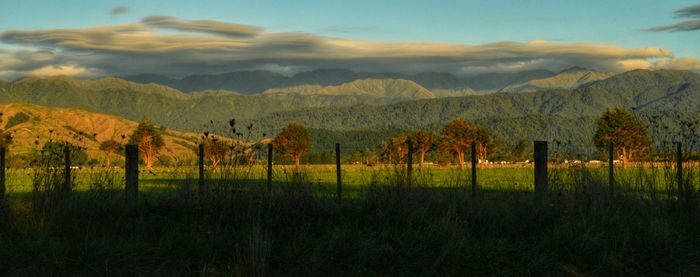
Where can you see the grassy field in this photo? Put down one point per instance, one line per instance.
(383, 226)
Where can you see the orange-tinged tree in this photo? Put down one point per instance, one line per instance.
(293, 142)
(5, 136)
(215, 150)
(456, 138)
(149, 140)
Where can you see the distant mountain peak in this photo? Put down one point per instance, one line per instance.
(575, 69)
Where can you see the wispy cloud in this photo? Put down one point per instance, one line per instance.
(687, 25)
(205, 46)
(119, 10)
(690, 11)
(207, 26)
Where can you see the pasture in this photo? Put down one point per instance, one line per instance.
(383, 226)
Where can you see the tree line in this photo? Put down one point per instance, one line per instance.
(619, 126)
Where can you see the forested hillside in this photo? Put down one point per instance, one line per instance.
(378, 108)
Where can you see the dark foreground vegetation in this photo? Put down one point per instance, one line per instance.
(389, 229)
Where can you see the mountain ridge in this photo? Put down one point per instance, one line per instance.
(257, 81)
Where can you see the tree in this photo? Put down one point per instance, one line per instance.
(397, 147)
(111, 147)
(625, 130)
(422, 141)
(293, 142)
(148, 138)
(215, 150)
(5, 136)
(484, 140)
(52, 154)
(456, 138)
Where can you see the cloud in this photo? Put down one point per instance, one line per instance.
(207, 26)
(687, 63)
(688, 25)
(119, 10)
(690, 11)
(215, 47)
(61, 70)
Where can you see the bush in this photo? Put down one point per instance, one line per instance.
(16, 119)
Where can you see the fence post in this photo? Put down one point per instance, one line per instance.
(409, 164)
(67, 181)
(679, 170)
(3, 151)
(338, 172)
(611, 168)
(131, 168)
(540, 170)
(474, 163)
(202, 186)
(269, 168)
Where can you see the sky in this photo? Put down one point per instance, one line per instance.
(178, 38)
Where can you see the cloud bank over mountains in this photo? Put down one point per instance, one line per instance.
(176, 47)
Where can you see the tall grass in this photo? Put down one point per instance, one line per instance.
(426, 225)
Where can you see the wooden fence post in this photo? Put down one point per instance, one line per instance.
(540, 170)
(68, 180)
(611, 168)
(202, 186)
(3, 152)
(269, 168)
(474, 163)
(409, 164)
(679, 171)
(131, 168)
(338, 172)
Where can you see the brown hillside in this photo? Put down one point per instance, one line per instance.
(82, 128)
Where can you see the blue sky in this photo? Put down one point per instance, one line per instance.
(616, 23)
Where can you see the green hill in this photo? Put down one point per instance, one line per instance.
(568, 79)
(391, 89)
(382, 106)
(257, 81)
(566, 115)
(190, 111)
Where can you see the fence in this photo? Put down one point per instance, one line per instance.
(540, 171)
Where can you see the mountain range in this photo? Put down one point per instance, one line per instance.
(333, 104)
(259, 81)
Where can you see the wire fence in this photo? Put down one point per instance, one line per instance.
(670, 173)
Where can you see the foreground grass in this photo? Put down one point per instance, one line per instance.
(387, 229)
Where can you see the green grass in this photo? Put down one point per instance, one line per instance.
(383, 227)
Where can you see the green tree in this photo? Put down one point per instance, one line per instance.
(485, 142)
(456, 138)
(625, 130)
(111, 147)
(52, 154)
(293, 142)
(396, 147)
(149, 140)
(422, 141)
